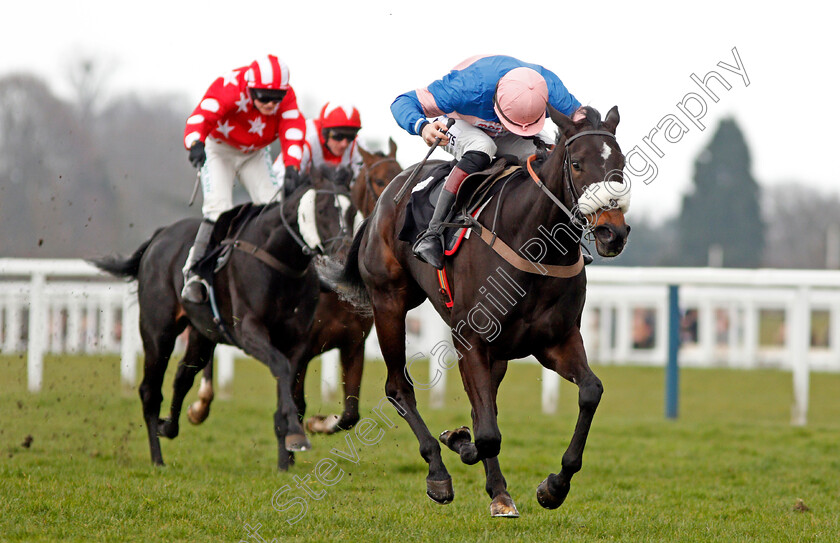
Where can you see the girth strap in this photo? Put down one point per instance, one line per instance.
(510, 256)
(264, 257)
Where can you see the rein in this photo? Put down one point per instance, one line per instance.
(265, 257)
(510, 256)
(304, 247)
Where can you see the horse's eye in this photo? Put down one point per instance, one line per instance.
(576, 165)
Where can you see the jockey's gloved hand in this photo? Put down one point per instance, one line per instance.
(197, 154)
(291, 180)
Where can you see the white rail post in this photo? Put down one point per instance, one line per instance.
(550, 390)
(437, 364)
(799, 330)
(329, 374)
(129, 339)
(14, 311)
(225, 355)
(37, 333)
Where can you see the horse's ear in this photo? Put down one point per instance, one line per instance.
(612, 119)
(367, 157)
(392, 148)
(565, 124)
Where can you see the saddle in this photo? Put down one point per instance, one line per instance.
(473, 195)
(227, 226)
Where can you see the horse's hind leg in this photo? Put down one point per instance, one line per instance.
(158, 342)
(199, 410)
(569, 360)
(389, 317)
(459, 440)
(481, 377)
(199, 352)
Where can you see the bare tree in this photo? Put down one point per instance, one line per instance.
(799, 223)
(50, 177)
(146, 163)
(88, 77)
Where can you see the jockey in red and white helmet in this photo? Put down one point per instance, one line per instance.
(228, 135)
(331, 140)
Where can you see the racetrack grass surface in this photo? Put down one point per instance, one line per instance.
(731, 468)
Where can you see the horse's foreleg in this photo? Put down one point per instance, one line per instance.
(390, 328)
(569, 360)
(299, 360)
(352, 365)
(199, 410)
(256, 341)
(198, 353)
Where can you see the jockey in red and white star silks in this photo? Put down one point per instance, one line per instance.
(330, 140)
(228, 135)
(236, 133)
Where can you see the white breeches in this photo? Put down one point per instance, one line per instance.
(464, 137)
(225, 163)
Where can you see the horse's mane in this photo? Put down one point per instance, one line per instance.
(591, 116)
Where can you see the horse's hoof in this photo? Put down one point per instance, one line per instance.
(166, 428)
(440, 491)
(503, 506)
(551, 500)
(297, 443)
(451, 438)
(197, 414)
(320, 424)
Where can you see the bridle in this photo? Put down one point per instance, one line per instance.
(343, 229)
(367, 169)
(568, 186)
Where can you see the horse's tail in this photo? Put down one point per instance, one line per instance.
(127, 267)
(345, 279)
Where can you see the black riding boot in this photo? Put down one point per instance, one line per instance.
(429, 248)
(194, 290)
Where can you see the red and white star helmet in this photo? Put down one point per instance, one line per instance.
(340, 116)
(268, 72)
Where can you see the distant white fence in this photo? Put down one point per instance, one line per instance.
(784, 319)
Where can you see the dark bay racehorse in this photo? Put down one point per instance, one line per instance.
(501, 312)
(336, 324)
(266, 293)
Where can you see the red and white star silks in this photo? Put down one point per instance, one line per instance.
(227, 114)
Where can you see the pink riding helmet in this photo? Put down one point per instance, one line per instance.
(520, 101)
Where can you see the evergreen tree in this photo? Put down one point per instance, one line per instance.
(724, 208)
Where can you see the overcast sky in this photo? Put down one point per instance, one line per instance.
(637, 55)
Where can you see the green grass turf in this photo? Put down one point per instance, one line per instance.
(731, 468)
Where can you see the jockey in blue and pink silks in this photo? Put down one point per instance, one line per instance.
(499, 104)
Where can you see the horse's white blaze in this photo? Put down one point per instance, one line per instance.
(344, 203)
(307, 219)
(357, 222)
(606, 152)
(606, 194)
